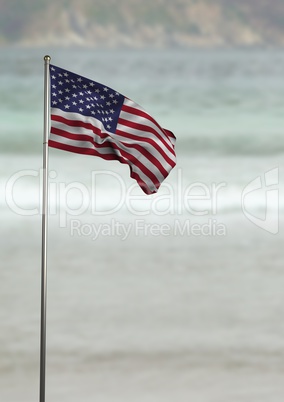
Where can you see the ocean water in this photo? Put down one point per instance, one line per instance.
(176, 296)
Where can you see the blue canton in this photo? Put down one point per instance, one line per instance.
(72, 93)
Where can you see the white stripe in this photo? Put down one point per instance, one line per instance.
(115, 137)
(104, 151)
(98, 124)
(79, 117)
(109, 150)
(147, 123)
(150, 148)
(142, 120)
(81, 131)
(119, 141)
(142, 135)
(81, 144)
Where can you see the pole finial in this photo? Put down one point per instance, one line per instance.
(47, 58)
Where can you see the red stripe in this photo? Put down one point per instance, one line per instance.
(149, 141)
(79, 123)
(93, 152)
(139, 112)
(144, 128)
(106, 143)
(110, 141)
(76, 137)
(97, 131)
(145, 115)
(110, 144)
(171, 136)
(150, 157)
(81, 150)
(114, 147)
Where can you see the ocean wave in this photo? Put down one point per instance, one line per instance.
(231, 145)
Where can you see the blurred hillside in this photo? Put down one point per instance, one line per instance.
(138, 23)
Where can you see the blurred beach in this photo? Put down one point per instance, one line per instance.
(175, 296)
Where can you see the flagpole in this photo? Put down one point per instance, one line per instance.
(44, 231)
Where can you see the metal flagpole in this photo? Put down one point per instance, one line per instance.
(44, 231)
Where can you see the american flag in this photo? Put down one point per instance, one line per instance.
(91, 118)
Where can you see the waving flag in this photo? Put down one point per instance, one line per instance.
(91, 118)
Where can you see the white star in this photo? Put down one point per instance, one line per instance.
(67, 106)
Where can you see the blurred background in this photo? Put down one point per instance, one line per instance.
(188, 303)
